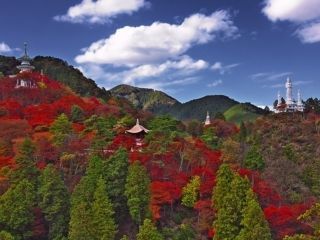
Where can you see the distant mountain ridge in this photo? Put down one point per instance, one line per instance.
(159, 102)
(144, 98)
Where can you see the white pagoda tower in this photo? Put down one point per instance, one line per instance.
(208, 121)
(25, 66)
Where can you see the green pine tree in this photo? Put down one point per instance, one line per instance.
(16, 205)
(148, 231)
(137, 192)
(77, 114)
(254, 224)
(61, 128)
(254, 159)
(81, 223)
(229, 200)
(115, 172)
(190, 192)
(102, 214)
(54, 202)
(80, 226)
(26, 164)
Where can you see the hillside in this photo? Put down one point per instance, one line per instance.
(144, 98)
(197, 109)
(55, 144)
(60, 70)
(243, 112)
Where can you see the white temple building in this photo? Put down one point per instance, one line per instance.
(290, 105)
(25, 66)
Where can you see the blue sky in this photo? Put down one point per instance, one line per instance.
(242, 49)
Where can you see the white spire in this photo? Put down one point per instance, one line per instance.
(279, 98)
(208, 121)
(289, 100)
(299, 98)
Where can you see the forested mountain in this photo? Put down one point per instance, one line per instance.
(69, 171)
(60, 70)
(144, 98)
(160, 103)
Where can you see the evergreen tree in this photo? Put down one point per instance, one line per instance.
(210, 137)
(148, 231)
(54, 202)
(103, 128)
(61, 128)
(102, 214)
(26, 164)
(254, 224)
(191, 191)
(137, 192)
(16, 209)
(229, 201)
(115, 172)
(254, 159)
(81, 223)
(80, 226)
(76, 113)
(224, 177)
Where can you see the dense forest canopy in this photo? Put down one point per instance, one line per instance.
(69, 170)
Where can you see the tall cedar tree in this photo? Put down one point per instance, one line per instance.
(61, 128)
(103, 128)
(229, 201)
(26, 164)
(16, 209)
(54, 202)
(115, 172)
(102, 214)
(80, 226)
(137, 191)
(148, 231)
(254, 225)
(254, 159)
(190, 192)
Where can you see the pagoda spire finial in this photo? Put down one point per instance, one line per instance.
(25, 48)
(137, 123)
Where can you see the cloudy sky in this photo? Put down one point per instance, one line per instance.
(243, 49)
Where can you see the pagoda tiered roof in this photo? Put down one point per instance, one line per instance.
(137, 129)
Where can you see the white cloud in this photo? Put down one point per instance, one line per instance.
(304, 13)
(270, 76)
(4, 48)
(158, 42)
(292, 10)
(222, 69)
(215, 83)
(309, 33)
(100, 11)
(160, 75)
